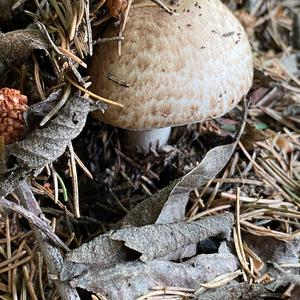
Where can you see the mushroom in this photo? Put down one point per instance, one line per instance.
(173, 69)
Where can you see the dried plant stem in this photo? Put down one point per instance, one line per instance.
(74, 176)
(35, 220)
(51, 254)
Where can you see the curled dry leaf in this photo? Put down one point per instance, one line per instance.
(107, 249)
(282, 253)
(159, 240)
(169, 204)
(239, 291)
(34, 114)
(277, 251)
(46, 144)
(131, 279)
(19, 44)
(147, 211)
(101, 250)
(213, 162)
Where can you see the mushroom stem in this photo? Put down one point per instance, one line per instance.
(142, 140)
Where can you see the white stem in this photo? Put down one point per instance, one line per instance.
(141, 141)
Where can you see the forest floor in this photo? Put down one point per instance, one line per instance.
(245, 208)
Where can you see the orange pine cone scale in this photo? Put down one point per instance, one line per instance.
(12, 106)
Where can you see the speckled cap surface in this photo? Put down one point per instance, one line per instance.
(180, 69)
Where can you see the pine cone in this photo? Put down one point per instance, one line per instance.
(12, 106)
(116, 7)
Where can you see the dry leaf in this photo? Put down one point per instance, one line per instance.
(213, 162)
(169, 204)
(159, 240)
(101, 250)
(277, 251)
(44, 145)
(240, 291)
(19, 44)
(147, 211)
(131, 279)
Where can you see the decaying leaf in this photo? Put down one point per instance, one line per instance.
(128, 262)
(18, 45)
(37, 111)
(282, 255)
(101, 250)
(147, 211)
(159, 240)
(44, 145)
(107, 248)
(277, 251)
(239, 291)
(169, 204)
(213, 162)
(131, 279)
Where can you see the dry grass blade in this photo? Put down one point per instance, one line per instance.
(218, 281)
(91, 94)
(28, 280)
(237, 237)
(164, 293)
(262, 231)
(16, 264)
(58, 106)
(72, 56)
(37, 78)
(208, 212)
(12, 259)
(73, 171)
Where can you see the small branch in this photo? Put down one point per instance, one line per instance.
(35, 220)
(51, 254)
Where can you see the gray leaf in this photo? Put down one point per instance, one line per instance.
(158, 240)
(44, 145)
(168, 205)
(213, 162)
(132, 279)
(102, 250)
(19, 44)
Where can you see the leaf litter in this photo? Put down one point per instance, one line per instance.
(44, 145)
(264, 168)
(170, 238)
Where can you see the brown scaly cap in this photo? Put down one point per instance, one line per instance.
(181, 69)
(12, 106)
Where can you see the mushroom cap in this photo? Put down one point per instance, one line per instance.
(180, 69)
